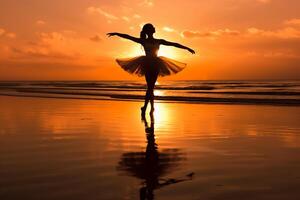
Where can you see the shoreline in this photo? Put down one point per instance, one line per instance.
(173, 99)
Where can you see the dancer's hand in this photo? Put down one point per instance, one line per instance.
(111, 34)
(192, 51)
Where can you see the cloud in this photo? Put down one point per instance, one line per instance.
(254, 31)
(168, 29)
(7, 34)
(284, 33)
(49, 46)
(54, 49)
(295, 21)
(272, 53)
(59, 46)
(97, 10)
(126, 18)
(195, 34)
(2, 31)
(280, 54)
(40, 22)
(136, 16)
(11, 35)
(226, 32)
(147, 3)
(210, 34)
(264, 1)
(96, 38)
(287, 32)
(39, 53)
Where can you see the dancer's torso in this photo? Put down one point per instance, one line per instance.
(151, 47)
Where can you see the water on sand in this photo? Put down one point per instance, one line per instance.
(87, 149)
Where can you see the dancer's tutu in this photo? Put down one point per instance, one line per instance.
(142, 65)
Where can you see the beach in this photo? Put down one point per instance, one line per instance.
(68, 148)
(150, 100)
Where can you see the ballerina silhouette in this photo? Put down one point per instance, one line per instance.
(151, 66)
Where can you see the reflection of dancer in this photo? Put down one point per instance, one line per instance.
(151, 165)
(151, 66)
(152, 181)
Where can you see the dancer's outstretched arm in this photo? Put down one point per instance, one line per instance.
(125, 36)
(164, 42)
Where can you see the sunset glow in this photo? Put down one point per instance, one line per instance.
(233, 39)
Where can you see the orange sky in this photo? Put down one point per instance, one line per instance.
(65, 40)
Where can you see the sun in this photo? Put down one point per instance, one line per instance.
(167, 52)
(136, 51)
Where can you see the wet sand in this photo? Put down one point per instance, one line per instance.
(89, 149)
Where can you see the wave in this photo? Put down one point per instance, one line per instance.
(97, 96)
(238, 92)
(286, 93)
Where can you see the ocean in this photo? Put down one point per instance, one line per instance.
(192, 91)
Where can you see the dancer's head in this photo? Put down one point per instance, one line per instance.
(147, 30)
